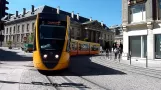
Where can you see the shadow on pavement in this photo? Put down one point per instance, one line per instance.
(12, 56)
(83, 66)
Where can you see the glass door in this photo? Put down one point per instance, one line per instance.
(135, 46)
(158, 46)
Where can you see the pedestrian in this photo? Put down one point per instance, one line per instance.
(101, 49)
(121, 48)
(114, 46)
(107, 48)
(116, 51)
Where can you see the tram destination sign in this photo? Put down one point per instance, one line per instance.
(53, 22)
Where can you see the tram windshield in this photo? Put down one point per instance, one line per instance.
(52, 37)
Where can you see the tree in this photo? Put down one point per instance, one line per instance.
(31, 38)
(9, 44)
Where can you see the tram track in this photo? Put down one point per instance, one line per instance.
(90, 81)
(67, 84)
(69, 81)
(52, 84)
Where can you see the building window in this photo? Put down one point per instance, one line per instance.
(159, 4)
(28, 27)
(108, 37)
(105, 36)
(10, 30)
(87, 34)
(33, 25)
(137, 13)
(18, 29)
(23, 28)
(6, 30)
(78, 32)
(14, 29)
(3, 32)
(22, 37)
(6, 37)
(72, 32)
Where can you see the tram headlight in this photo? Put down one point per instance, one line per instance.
(45, 56)
(56, 56)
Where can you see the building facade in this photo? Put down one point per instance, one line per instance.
(141, 22)
(118, 33)
(19, 27)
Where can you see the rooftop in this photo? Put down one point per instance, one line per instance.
(34, 11)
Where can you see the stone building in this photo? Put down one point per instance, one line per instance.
(118, 33)
(141, 21)
(20, 26)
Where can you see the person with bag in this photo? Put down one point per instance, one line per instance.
(116, 51)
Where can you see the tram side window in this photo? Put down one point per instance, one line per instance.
(84, 47)
(73, 46)
(94, 48)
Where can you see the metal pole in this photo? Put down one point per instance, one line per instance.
(119, 56)
(146, 60)
(130, 57)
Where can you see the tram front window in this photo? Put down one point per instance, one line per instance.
(52, 37)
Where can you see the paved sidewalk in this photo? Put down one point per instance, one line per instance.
(151, 64)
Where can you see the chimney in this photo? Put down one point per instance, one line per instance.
(24, 11)
(16, 13)
(9, 16)
(77, 16)
(58, 9)
(90, 18)
(101, 23)
(32, 8)
(72, 14)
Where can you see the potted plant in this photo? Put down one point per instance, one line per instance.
(9, 44)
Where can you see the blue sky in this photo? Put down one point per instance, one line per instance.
(108, 11)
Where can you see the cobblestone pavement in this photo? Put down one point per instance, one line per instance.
(117, 76)
(84, 73)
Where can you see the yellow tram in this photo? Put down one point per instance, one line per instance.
(52, 43)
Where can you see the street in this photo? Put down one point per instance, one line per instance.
(85, 73)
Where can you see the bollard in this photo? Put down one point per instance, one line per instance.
(146, 60)
(130, 57)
